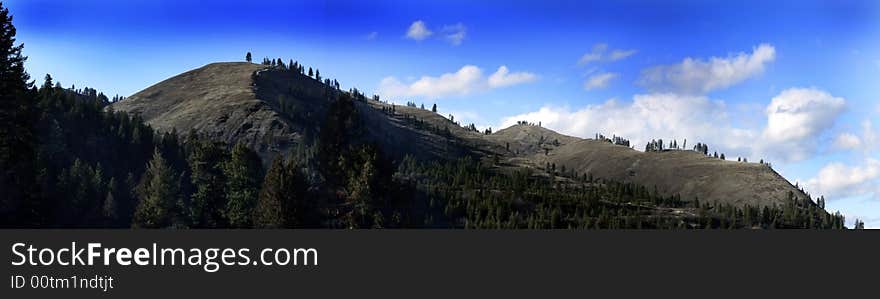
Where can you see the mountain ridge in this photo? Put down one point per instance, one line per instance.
(272, 111)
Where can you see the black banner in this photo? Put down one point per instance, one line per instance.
(434, 263)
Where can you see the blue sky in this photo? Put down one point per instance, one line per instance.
(792, 82)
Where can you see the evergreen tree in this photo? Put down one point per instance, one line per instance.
(110, 208)
(247, 57)
(363, 188)
(334, 142)
(281, 202)
(207, 201)
(17, 134)
(159, 195)
(243, 171)
(310, 72)
(434, 108)
(859, 224)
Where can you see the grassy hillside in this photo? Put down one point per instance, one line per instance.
(275, 110)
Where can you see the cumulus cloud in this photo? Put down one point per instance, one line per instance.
(467, 79)
(839, 180)
(868, 141)
(621, 54)
(648, 116)
(594, 55)
(418, 31)
(599, 53)
(697, 76)
(795, 119)
(455, 34)
(847, 141)
(502, 77)
(599, 80)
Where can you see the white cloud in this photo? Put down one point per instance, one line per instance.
(594, 55)
(371, 36)
(418, 31)
(838, 180)
(869, 140)
(696, 76)
(598, 53)
(502, 77)
(621, 54)
(599, 80)
(455, 34)
(795, 119)
(667, 116)
(467, 79)
(847, 141)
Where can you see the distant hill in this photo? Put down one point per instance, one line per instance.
(684, 172)
(273, 111)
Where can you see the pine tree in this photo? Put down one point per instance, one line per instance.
(362, 188)
(110, 208)
(282, 196)
(434, 108)
(207, 201)
(310, 72)
(243, 172)
(159, 195)
(340, 123)
(17, 133)
(859, 224)
(248, 57)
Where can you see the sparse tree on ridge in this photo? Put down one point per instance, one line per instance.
(248, 57)
(859, 224)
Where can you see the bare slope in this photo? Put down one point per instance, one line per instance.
(219, 102)
(529, 140)
(687, 173)
(422, 133)
(273, 110)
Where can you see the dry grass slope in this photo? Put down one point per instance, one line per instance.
(216, 100)
(273, 111)
(684, 172)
